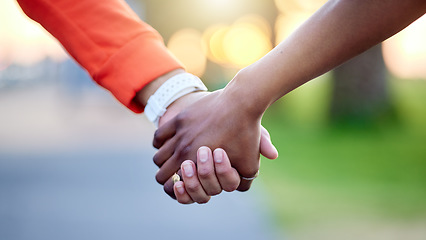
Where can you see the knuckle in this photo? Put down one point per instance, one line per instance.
(157, 160)
(243, 188)
(181, 118)
(214, 192)
(156, 140)
(204, 172)
(192, 187)
(157, 133)
(169, 191)
(230, 188)
(160, 179)
(203, 200)
(223, 172)
(184, 201)
(183, 151)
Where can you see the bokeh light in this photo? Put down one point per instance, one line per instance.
(405, 53)
(245, 43)
(257, 21)
(240, 44)
(213, 39)
(186, 45)
(292, 14)
(376, 192)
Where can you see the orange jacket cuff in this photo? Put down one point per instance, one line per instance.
(129, 70)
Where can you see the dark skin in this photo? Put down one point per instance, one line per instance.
(208, 182)
(230, 118)
(254, 144)
(187, 142)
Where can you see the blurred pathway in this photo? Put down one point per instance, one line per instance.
(80, 168)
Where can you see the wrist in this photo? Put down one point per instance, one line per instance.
(244, 93)
(172, 89)
(143, 95)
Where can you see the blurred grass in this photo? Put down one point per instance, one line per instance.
(330, 174)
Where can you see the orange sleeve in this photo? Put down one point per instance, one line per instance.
(108, 39)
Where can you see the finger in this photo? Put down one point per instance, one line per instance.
(181, 195)
(206, 172)
(168, 186)
(244, 185)
(166, 171)
(169, 167)
(228, 177)
(267, 149)
(192, 184)
(165, 152)
(165, 132)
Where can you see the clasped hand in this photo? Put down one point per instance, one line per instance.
(217, 121)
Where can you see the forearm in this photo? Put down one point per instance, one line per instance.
(121, 53)
(337, 32)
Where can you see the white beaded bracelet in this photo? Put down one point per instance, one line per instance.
(174, 88)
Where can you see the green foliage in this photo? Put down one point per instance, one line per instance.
(328, 172)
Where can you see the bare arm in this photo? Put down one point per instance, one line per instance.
(338, 31)
(230, 119)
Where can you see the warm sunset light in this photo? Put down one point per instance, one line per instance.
(240, 44)
(293, 14)
(405, 53)
(285, 6)
(23, 41)
(257, 21)
(291, 6)
(288, 23)
(213, 39)
(222, 6)
(186, 45)
(245, 43)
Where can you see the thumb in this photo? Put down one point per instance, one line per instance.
(267, 149)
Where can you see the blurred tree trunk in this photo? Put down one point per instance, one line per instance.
(360, 91)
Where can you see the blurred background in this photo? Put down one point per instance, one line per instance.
(74, 163)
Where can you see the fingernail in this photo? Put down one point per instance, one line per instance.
(187, 168)
(179, 188)
(203, 154)
(218, 155)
